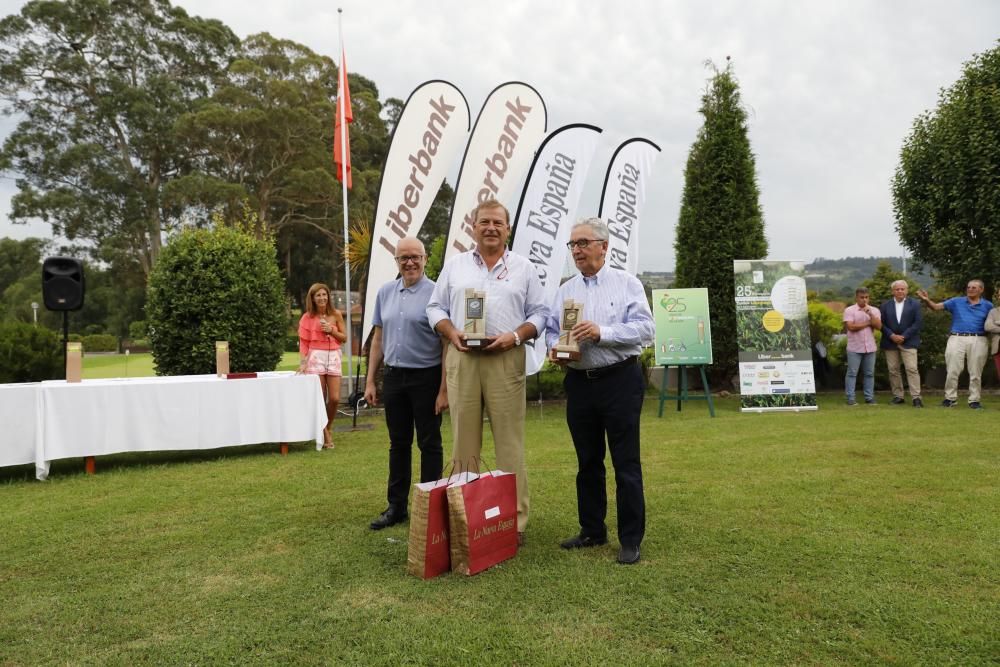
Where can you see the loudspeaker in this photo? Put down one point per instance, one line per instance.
(62, 283)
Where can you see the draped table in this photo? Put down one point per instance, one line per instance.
(99, 417)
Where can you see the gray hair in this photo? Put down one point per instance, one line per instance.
(899, 282)
(596, 225)
(982, 285)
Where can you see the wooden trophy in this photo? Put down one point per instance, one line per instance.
(568, 347)
(222, 358)
(74, 361)
(475, 319)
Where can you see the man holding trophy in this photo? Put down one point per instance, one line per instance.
(596, 329)
(487, 303)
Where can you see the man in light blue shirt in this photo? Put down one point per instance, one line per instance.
(604, 388)
(413, 387)
(967, 345)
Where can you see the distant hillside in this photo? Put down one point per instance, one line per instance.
(838, 277)
(843, 276)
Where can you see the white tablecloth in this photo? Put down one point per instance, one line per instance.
(98, 417)
(20, 415)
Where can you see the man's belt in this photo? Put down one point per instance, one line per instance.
(409, 369)
(955, 333)
(594, 373)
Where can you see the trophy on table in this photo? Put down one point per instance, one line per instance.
(568, 347)
(475, 319)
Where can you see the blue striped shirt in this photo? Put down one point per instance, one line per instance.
(615, 301)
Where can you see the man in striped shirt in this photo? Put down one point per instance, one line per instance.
(604, 388)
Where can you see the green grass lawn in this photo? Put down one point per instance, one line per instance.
(864, 535)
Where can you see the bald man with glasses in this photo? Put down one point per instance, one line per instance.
(413, 388)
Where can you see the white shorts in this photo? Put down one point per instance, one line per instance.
(323, 362)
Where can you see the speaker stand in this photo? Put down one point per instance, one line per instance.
(65, 340)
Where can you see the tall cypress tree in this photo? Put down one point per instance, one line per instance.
(720, 218)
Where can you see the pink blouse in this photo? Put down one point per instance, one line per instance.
(311, 336)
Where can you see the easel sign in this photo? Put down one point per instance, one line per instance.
(683, 339)
(683, 329)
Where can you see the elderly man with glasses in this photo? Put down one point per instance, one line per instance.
(494, 376)
(604, 388)
(967, 346)
(413, 389)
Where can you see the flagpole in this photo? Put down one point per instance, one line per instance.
(343, 182)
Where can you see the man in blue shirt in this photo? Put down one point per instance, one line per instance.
(604, 388)
(413, 389)
(967, 346)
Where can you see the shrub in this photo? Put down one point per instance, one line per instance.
(137, 329)
(210, 285)
(292, 342)
(100, 343)
(549, 381)
(29, 353)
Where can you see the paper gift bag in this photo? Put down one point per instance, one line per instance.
(482, 517)
(427, 552)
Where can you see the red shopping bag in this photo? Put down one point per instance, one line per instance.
(482, 516)
(427, 552)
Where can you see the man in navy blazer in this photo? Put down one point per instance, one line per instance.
(901, 323)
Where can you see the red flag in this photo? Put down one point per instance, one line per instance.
(342, 152)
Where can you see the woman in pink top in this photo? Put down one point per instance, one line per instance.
(321, 331)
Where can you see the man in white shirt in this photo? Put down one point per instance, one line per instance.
(604, 388)
(493, 377)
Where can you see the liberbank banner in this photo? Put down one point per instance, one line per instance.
(510, 127)
(429, 134)
(549, 207)
(772, 332)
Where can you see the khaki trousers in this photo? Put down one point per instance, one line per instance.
(496, 382)
(909, 359)
(961, 353)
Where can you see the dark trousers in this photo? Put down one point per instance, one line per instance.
(611, 405)
(408, 395)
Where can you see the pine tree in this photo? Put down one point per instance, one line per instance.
(720, 217)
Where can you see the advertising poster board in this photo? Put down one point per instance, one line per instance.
(683, 331)
(772, 332)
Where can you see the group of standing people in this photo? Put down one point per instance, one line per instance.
(420, 340)
(973, 320)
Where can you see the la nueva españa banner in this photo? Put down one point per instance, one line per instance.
(629, 173)
(507, 132)
(428, 136)
(548, 209)
(772, 333)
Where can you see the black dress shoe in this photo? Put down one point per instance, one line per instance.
(581, 541)
(390, 517)
(628, 555)
(896, 400)
(917, 403)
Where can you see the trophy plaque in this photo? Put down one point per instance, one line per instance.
(475, 319)
(74, 361)
(568, 348)
(221, 358)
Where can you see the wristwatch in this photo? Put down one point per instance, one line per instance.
(517, 339)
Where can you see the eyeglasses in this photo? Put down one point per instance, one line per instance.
(403, 259)
(582, 243)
